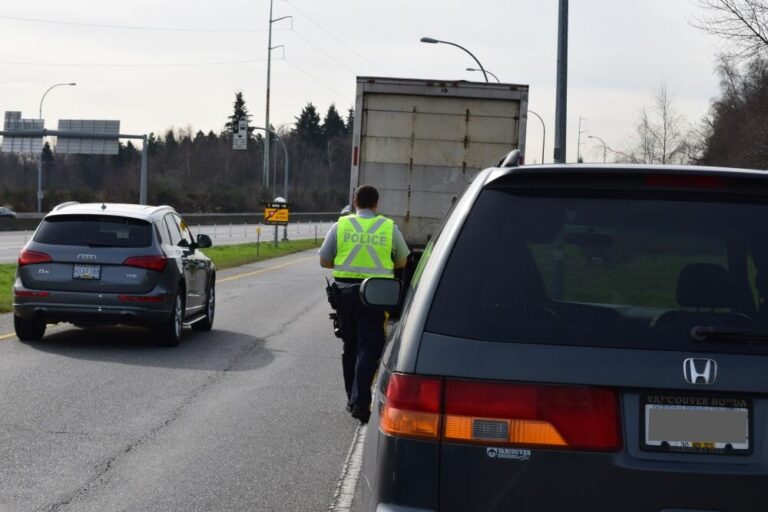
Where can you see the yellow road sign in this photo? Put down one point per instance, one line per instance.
(275, 215)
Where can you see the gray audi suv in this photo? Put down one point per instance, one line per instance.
(580, 338)
(107, 264)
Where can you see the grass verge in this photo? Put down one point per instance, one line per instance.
(227, 256)
(7, 273)
(224, 256)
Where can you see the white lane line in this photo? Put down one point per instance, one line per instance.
(345, 488)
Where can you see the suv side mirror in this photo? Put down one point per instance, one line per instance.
(379, 292)
(204, 241)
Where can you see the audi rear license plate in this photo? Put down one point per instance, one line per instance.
(87, 272)
(696, 424)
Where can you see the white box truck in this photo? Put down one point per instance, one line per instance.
(420, 143)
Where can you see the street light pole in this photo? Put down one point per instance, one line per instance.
(578, 140)
(561, 106)
(544, 131)
(494, 76)
(605, 146)
(265, 178)
(40, 160)
(431, 40)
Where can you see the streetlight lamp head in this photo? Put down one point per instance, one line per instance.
(429, 40)
(72, 83)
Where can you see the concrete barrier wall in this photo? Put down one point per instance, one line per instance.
(29, 221)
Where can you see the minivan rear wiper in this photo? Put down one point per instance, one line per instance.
(731, 334)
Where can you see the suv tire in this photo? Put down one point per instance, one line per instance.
(29, 329)
(170, 330)
(210, 310)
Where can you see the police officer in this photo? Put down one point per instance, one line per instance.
(359, 246)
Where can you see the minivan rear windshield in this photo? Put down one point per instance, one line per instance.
(94, 231)
(639, 272)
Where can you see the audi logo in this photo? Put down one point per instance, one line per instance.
(87, 257)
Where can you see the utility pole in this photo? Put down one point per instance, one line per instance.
(561, 106)
(267, 135)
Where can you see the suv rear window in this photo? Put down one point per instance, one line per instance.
(586, 270)
(94, 231)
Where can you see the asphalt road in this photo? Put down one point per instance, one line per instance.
(247, 417)
(11, 242)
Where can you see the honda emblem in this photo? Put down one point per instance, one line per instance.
(700, 371)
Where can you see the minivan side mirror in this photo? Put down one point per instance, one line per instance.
(204, 241)
(379, 292)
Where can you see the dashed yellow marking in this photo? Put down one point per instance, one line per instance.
(7, 336)
(263, 270)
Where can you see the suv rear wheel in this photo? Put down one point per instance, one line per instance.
(170, 330)
(210, 309)
(29, 329)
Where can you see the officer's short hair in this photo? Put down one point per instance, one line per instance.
(366, 196)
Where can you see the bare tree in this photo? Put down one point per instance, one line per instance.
(742, 23)
(659, 134)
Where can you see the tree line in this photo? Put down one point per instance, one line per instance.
(196, 171)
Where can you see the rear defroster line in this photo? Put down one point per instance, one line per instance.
(345, 488)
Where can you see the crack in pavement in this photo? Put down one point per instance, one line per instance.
(100, 477)
(25, 428)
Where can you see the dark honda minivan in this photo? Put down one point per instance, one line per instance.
(581, 338)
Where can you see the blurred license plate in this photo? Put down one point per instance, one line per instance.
(697, 424)
(90, 272)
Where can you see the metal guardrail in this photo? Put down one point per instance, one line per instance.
(29, 221)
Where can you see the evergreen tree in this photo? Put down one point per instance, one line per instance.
(333, 124)
(240, 112)
(350, 121)
(48, 161)
(308, 127)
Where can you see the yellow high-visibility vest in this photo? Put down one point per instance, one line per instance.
(364, 247)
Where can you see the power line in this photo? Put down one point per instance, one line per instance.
(334, 59)
(131, 27)
(318, 25)
(313, 77)
(132, 65)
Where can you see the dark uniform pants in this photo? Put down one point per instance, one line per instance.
(363, 336)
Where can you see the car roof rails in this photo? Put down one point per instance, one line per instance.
(513, 159)
(64, 205)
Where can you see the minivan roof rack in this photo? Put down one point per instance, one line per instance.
(64, 205)
(511, 160)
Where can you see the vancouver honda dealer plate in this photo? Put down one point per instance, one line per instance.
(696, 424)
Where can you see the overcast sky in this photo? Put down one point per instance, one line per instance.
(184, 66)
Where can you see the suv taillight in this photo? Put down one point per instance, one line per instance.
(31, 257)
(156, 263)
(464, 411)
